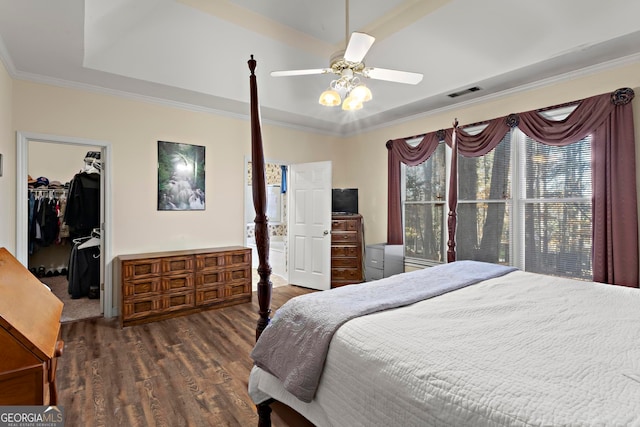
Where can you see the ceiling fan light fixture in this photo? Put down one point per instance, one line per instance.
(361, 93)
(349, 65)
(351, 104)
(330, 98)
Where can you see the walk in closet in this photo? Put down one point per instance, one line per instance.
(64, 218)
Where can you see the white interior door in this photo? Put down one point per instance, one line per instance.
(310, 225)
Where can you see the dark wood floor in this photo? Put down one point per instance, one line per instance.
(186, 371)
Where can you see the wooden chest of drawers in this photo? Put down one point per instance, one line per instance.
(346, 250)
(166, 284)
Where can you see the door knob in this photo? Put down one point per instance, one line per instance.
(325, 232)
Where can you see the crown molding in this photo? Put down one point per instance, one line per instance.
(6, 59)
(40, 79)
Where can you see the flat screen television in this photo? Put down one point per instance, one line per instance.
(344, 200)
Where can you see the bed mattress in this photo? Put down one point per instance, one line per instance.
(522, 349)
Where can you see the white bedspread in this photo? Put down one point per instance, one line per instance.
(522, 349)
(294, 346)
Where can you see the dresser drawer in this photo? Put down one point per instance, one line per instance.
(238, 258)
(344, 225)
(140, 287)
(346, 274)
(211, 261)
(239, 273)
(177, 282)
(342, 251)
(178, 300)
(374, 257)
(344, 262)
(344, 237)
(140, 307)
(210, 294)
(209, 278)
(237, 289)
(337, 283)
(140, 269)
(177, 264)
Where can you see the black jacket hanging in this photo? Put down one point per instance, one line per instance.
(82, 213)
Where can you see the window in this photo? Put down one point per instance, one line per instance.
(424, 206)
(525, 204)
(484, 208)
(556, 209)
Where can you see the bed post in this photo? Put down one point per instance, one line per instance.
(260, 205)
(261, 226)
(453, 195)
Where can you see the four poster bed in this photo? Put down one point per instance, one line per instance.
(465, 343)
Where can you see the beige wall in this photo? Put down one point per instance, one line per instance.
(133, 129)
(7, 149)
(369, 148)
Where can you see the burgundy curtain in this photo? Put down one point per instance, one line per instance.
(609, 118)
(400, 151)
(614, 200)
(483, 142)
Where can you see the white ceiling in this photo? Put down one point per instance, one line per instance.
(194, 53)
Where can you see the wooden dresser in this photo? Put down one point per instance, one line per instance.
(161, 285)
(29, 336)
(346, 250)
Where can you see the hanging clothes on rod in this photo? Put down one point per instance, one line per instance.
(82, 214)
(45, 207)
(84, 267)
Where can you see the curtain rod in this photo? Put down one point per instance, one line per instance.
(48, 189)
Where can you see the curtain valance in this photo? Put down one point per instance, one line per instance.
(609, 119)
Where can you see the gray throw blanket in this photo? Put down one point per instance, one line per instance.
(295, 344)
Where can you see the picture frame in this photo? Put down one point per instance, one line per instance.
(181, 176)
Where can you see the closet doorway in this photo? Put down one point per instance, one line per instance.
(53, 172)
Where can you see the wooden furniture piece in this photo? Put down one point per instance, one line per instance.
(383, 260)
(29, 336)
(161, 285)
(346, 249)
(261, 225)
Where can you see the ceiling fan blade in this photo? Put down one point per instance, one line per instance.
(393, 75)
(359, 45)
(300, 72)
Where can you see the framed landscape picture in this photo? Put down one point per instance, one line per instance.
(180, 177)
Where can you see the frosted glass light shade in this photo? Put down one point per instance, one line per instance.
(361, 93)
(329, 98)
(351, 104)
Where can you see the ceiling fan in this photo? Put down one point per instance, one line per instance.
(349, 65)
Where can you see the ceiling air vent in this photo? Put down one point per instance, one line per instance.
(464, 92)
